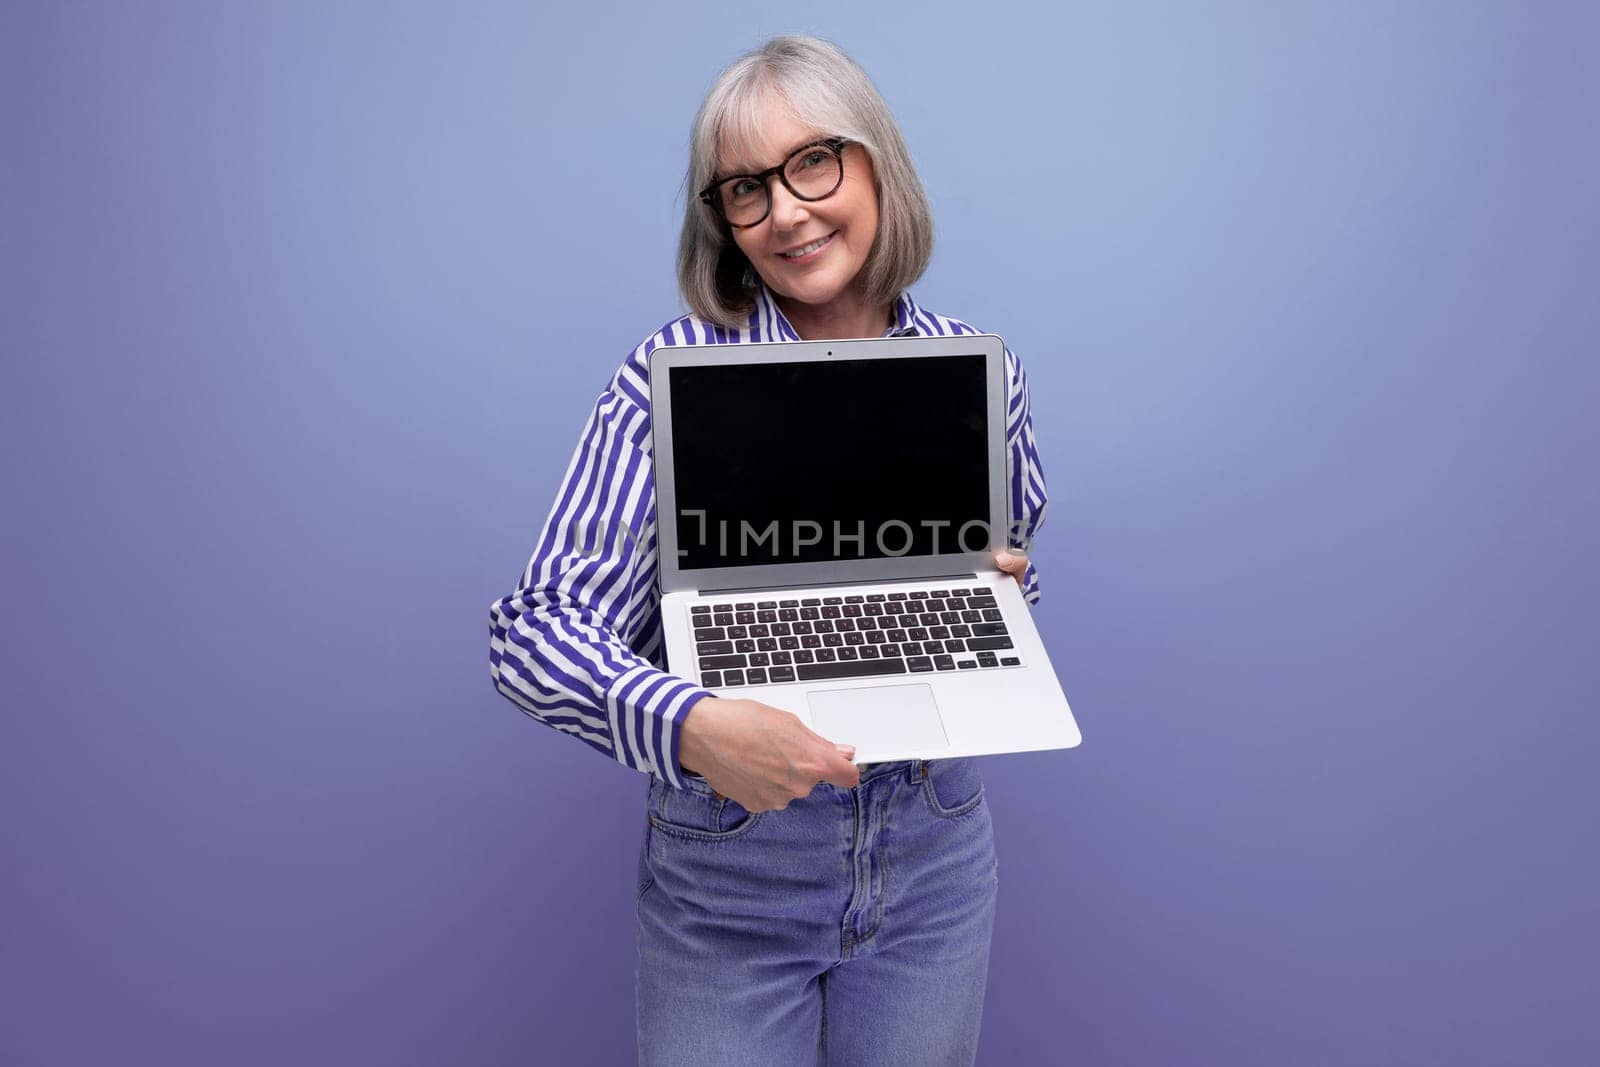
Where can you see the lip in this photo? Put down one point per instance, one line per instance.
(809, 256)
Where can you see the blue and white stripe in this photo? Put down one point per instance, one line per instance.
(578, 645)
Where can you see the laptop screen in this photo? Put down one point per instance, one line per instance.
(826, 460)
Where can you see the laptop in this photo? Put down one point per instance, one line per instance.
(827, 518)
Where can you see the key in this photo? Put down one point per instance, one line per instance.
(979, 644)
(819, 672)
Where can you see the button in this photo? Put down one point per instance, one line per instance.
(1010, 661)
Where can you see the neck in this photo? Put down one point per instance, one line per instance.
(848, 316)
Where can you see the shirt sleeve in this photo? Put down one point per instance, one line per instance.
(1027, 497)
(561, 647)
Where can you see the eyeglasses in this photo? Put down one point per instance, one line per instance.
(812, 172)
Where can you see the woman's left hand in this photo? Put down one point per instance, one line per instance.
(1013, 563)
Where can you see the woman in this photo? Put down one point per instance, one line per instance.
(793, 908)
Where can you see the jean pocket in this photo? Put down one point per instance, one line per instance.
(953, 787)
(697, 814)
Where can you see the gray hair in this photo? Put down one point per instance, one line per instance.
(827, 90)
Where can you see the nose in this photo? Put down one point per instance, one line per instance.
(788, 210)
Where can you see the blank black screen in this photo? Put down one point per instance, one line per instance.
(769, 456)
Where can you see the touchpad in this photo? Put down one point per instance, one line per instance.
(885, 718)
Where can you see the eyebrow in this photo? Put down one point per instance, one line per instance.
(751, 168)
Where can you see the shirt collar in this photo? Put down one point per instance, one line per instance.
(774, 326)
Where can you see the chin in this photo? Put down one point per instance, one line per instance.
(811, 291)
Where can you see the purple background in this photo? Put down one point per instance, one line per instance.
(304, 306)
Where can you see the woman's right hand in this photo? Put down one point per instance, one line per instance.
(760, 756)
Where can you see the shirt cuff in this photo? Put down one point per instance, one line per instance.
(1030, 585)
(646, 708)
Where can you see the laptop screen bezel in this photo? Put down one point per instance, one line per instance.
(831, 572)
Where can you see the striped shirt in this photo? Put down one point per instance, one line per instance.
(578, 645)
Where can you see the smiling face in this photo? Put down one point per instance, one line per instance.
(810, 252)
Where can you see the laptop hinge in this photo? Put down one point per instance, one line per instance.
(810, 585)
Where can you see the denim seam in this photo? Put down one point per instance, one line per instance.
(965, 808)
(706, 836)
(650, 875)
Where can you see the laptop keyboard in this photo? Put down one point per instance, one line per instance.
(821, 638)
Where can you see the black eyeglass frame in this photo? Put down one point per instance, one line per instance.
(838, 144)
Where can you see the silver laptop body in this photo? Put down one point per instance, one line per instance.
(822, 504)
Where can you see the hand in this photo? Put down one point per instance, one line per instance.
(1013, 563)
(761, 756)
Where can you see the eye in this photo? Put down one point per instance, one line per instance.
(743, 186)
(815, 157)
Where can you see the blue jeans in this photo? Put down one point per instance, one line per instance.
(852, 927)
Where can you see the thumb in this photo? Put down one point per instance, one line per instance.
(849, 775)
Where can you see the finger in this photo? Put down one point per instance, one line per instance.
(1011, 562)
(842, 773)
